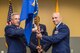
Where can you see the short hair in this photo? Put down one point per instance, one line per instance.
(13, 15)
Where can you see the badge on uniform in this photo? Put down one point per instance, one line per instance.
(56, 32)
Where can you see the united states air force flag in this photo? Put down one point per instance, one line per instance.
(28, 12)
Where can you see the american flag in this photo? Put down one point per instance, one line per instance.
(10, 11)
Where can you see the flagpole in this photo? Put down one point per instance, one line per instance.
(37, 24)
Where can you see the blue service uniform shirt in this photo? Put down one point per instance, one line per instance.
(34, 41)
(59, 40)
(15, 39)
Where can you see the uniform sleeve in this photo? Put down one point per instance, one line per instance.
(32, 46)
(10, 31)
(55, 38)
(46, 47)
(24, 40)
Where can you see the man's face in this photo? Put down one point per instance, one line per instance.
(16, 20)
(56, 18)
(36, 19)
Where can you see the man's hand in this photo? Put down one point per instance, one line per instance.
(39, 35)
(39, 48)
(9, 23)
(34, 29)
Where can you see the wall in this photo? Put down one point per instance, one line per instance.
(69, 9)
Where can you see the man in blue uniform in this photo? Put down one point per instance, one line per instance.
(15, 36)
(34, 40)
(60, 37)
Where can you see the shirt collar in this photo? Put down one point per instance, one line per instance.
(58, 24)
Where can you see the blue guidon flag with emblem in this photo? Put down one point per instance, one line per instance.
(28, 12)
